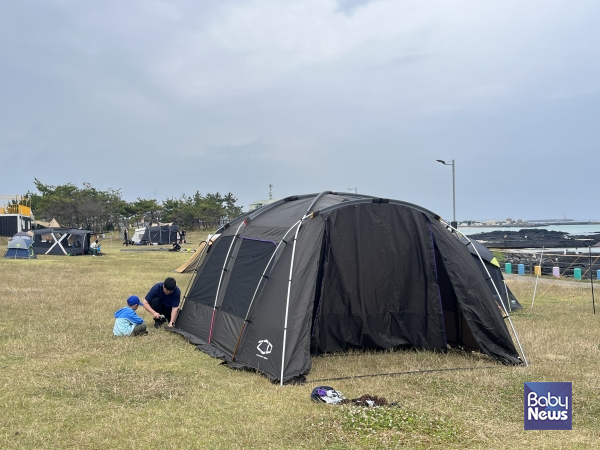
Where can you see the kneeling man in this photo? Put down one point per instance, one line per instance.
(162, 301)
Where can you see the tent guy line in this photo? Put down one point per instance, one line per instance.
(410, 372)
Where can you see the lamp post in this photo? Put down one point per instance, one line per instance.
(353, 189)
(454, 222)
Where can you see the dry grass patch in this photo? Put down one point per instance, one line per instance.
(66, 382)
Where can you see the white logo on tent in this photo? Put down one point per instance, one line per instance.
(264, 347)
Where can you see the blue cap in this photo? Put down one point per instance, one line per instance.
(133, 300)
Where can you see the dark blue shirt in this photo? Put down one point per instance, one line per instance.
(170, 301)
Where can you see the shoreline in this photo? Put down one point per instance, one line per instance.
(531, 225)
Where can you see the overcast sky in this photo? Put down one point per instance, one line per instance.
(165, 98)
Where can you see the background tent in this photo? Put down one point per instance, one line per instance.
(330, 272)
(138, 234)
(196, 260)
(495, 280)
(160, 234)
(61, 241)
(23, 235)
(20, 248)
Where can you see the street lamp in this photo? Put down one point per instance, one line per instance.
(353, 189)
(454, 222)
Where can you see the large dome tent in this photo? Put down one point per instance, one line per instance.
(333, 271)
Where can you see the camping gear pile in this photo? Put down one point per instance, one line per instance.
(331, 396)
(329, 272)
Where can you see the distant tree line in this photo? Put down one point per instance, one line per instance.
(97, 210)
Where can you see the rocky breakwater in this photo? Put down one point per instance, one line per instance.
(551, 241)
(535, 238)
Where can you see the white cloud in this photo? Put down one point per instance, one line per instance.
(368, 92)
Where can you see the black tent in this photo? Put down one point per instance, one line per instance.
(160, 234)
(334, 271)
(61, 241)
(495, 280)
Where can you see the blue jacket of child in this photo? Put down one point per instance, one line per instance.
(126, 320)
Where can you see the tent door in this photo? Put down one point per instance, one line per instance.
(318, 293)
(458, 333)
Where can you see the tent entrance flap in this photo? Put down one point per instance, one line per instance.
(458, 333)
(379, 286)
(250, 263)
(199, 302)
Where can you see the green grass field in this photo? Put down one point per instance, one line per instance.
(66, 382)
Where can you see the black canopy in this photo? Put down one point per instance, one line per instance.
(160, 234)
(61, 241)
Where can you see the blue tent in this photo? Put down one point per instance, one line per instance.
(20, 248)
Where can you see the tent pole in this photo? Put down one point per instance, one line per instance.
(57, 242)
(212, 320)
(60, 245)
(537, 277)
(287, 302)
(592, 277)
(53, 245)
(507, 296)
(497, 292)
(316, 199)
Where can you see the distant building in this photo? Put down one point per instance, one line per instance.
(545, 221)
(15, 215)
(260, 203)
